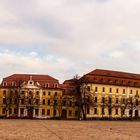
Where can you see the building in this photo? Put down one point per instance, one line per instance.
(28, 95)
(100, 94)
(110, 94)
(71, 100)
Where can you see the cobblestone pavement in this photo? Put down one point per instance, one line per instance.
(68, 130)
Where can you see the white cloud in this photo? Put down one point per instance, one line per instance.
(75, 36)
(12, 62)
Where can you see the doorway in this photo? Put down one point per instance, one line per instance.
(64, 114)
(136, 113)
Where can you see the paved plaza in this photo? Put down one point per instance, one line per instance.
(68, 130)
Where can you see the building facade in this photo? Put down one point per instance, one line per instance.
(36, 96)
(110, 94)
(99, 94)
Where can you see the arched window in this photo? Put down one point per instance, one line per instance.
(4, 84)
(55, 85)
(13, 83)
(47, 85)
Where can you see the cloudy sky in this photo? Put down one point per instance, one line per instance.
(67, 37)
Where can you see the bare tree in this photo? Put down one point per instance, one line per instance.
(88, 100)
(7, 101)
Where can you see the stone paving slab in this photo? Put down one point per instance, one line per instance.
(68, 130)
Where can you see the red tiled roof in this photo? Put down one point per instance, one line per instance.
(118, 74)
(112, 78)
(28, 76)
(20, 78)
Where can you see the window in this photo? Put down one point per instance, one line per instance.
(116, 111)
(103, 90)
(48, 102)
(123, 111)
(110, 100)
(4, 100)
(137, 102)
(43, 111)
(55, 102)
(103, 111)
(76, 103)
(130, 112)
(123, 91)
(43, 101)
(103, 100)
(44, 93)
(4, 93)
(30, 102)
(22, 101)
(117, 100)
(47, 85)
(88, 88)
(10, 111)
(49, 93)
(36, 111)
(123, 101)
(96, 89)
(31, 83)
(16, 91)
(131, 91)
(117, 90)
(96, 99)
(4, 83)
(30, 92)
(110, 90)
(48, 112)
(137, 92)
(95, 110)
(55, 94)
(55, 85)
(110, 81)
(37, 93)
(22, 111)
(70, 103)
(37, 101)
(64, 103)
(76, 113)
(70, 113)
(3, 110)
(54, 112)
(13, 83)
(15, 111)
(116, 82)
(22, 92)
(10, 100)
(109, 111)
(88, 110)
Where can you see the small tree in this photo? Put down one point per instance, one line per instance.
(88, 100)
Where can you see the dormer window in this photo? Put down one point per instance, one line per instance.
(47, 85)
(13, 83)
(110, 81)
(95, 79)
(4, 84)
(116, 82)
(55, 85)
